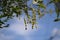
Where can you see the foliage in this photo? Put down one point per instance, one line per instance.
(10, 7)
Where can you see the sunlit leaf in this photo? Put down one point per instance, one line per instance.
(10, 7)
(39, 13)
(35, 1)
(33, 17)
(41, 5)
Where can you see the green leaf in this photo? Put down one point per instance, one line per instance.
(6, 25)
(50, 2)
(33, 17)
(26, 11)
(25, 24)
(57, 12)
(56, 20)
(42, 6)
(1, 27)
(39, 13)
(1, 22)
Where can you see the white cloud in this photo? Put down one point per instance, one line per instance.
(56, 39)
(56, 34)
(4, 37)
(54, 31)
(18, 28)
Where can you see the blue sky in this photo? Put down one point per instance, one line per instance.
(46, 28)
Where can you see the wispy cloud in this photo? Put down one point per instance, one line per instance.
(54, 31)
(4, 37)
(18, 28)
(56, 34)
